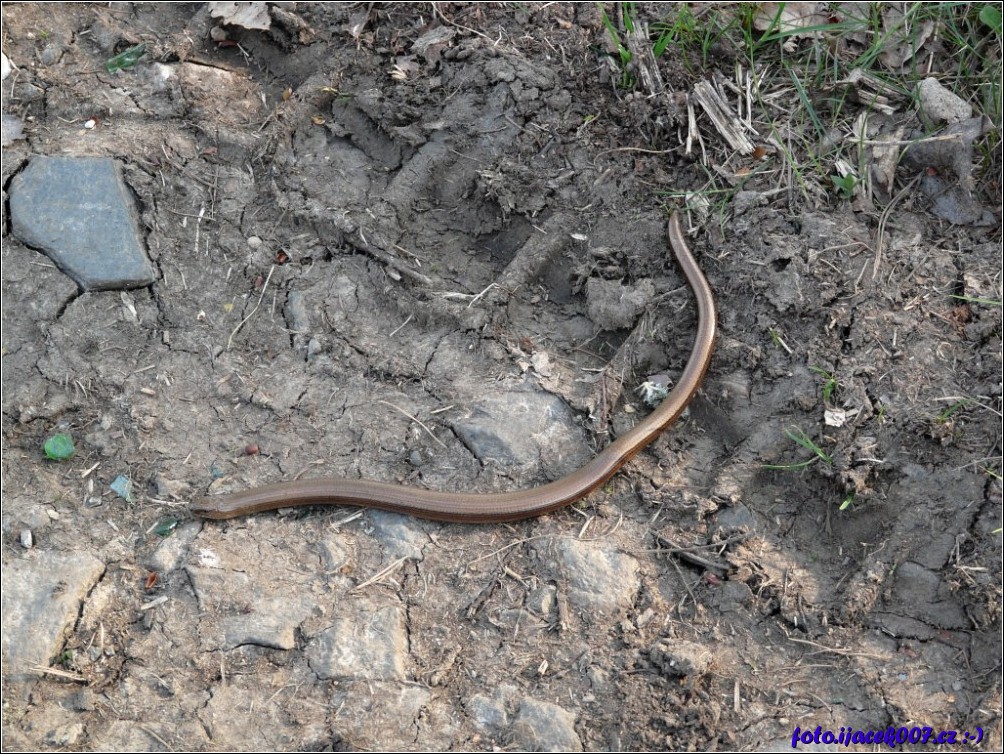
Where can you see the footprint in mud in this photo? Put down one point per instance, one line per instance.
(435, 268)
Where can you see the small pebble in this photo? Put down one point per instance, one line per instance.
(27, 540)
(51, 54)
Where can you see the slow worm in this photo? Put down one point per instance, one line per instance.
(502, 506)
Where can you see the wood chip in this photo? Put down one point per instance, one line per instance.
(728, 124)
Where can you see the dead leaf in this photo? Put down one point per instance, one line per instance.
(940, 104)
(357, 23)
(130, 307)
(902, 40)
(790, 17)
(245, 15)
(869, 90)
(885, 158)
(441, 35)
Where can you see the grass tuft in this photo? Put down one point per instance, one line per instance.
(802, 439)
(813, 83)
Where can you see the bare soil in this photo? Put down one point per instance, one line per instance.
(379, 226)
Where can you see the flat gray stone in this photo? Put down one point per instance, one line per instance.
(80, 212)
(600, 580)
(401, 536)
(333, 552)
(362, 643)
(383, 716)
(129, 735)
(486, 713)
(170, 554)
(523, 427)
(490, 714)
(736, 518)
(920, 593)
(542, 726)
(677, 658)
(41, 597)
(247, 609)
